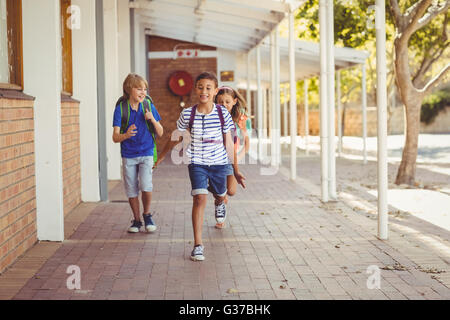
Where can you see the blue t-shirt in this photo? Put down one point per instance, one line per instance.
(141, 144)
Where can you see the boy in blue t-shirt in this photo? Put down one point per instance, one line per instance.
(136, 145)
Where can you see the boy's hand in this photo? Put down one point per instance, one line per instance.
(240, 178)
(132, 131)
(149, 115)
(160, 159)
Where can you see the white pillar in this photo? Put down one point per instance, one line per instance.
(112, 88)
(272, 103)
(84, 55)
(364, 112)
(382, 120)
(277, 97)
(339, 110)
(264, 114)
(293, 97)
(331, 103)
(124, 41)
(42, 63)
(323, 99)
(248, 91)
(305, 89)
(285, 114)
(259, 103)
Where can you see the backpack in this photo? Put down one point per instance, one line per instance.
(125, 119)
(222, 124)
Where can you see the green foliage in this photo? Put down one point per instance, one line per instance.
(350, 30)
(433, 104)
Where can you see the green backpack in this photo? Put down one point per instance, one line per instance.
(125, 116)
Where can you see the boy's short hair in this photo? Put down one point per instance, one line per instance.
(207, 75)
(133, 81)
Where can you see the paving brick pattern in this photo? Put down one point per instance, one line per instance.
(281, 242)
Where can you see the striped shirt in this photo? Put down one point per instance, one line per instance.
(206, 146)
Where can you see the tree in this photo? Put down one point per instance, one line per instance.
(422, 27)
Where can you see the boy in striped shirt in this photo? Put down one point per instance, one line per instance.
(210, 151)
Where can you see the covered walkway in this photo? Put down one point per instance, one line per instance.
(281, 242)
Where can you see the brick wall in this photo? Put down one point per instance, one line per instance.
(17, 180)
(160, 70)
(70, 134)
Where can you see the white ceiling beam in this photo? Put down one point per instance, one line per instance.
(191, 37)
(277, 6)
(220, 28)
(248, 41)
(230, 9)
(168, 9)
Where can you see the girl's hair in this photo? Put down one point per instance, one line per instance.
(207, 75)
(240, 108)
(133, 81)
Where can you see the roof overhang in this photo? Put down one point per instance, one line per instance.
(237, 25)
(307, 61)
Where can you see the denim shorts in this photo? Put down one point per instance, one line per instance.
(137, 175)
(204, 176)
(230, 170)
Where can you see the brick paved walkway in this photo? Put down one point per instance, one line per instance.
(281, 242)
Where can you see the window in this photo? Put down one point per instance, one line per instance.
(11, 65)
(66, 41)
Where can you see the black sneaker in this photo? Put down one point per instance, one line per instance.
(221, 212)
(134, 228)
(197, 253)
(150, 226)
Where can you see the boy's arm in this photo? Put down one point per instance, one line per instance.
(119, 137)
(232, 155)
(158, 127)
(169, 146)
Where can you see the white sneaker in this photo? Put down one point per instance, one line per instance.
(221, 213)
(197, 253)
(134, 228)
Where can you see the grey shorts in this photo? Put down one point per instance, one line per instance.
(137, 175)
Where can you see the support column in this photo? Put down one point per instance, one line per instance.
(112, 89)
(330, 100)
(124, 39)
(285, 114)
(248, 91)
(84, 55)
(339, 111)
(272, 103)
(381, 120)
(323, 99)
(293, 97)
(364, 111)
(259, 101)
(305, 89)
(42, 56)
(277, 97)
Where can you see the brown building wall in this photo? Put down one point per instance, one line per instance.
(166, 102)
(17, 180)
(70, 135)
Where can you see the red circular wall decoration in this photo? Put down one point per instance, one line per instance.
(181, 83)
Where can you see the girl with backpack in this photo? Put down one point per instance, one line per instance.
(237, 107)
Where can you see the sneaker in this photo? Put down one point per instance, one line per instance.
(197, 253)
(134, 228)
(221, 213)
(150, 226)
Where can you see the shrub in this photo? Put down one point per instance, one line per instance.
(433, 104)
